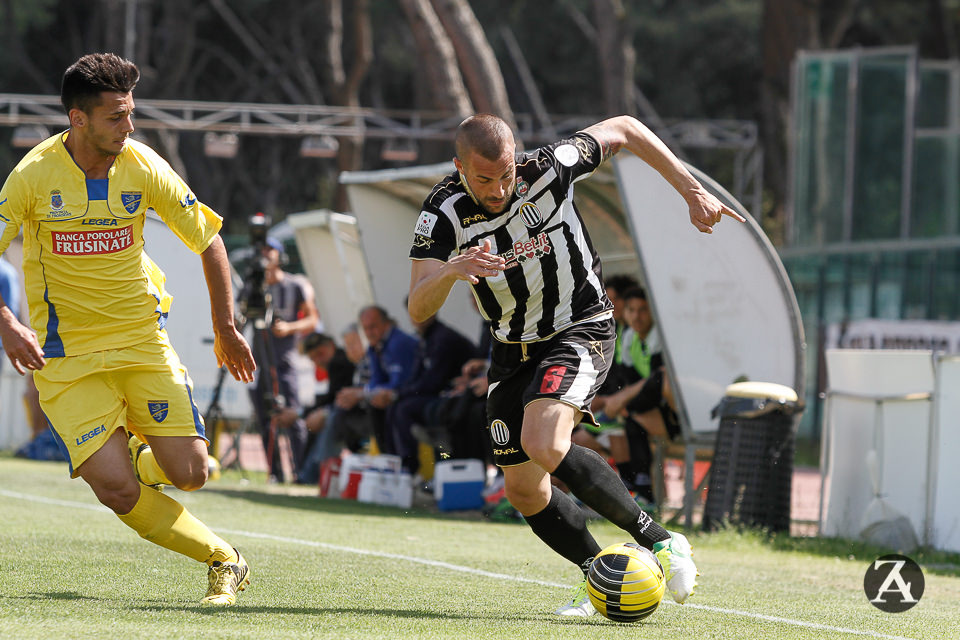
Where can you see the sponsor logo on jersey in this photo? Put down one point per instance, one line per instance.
(89, 435)
(56, 200)
(566, 154)
(471, 219)
(188, 201)
(422, 242)
(87, 243)
(131, 200)
(504, 452)
(158, 409)
(530, 214)
(523, 250)
(522, 187)
(425, 223)
(100, 222)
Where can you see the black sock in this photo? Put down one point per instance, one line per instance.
(563, 527)
(595, 482)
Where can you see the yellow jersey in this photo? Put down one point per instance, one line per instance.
(89, 284)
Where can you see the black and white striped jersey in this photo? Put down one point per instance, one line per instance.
(552, 278)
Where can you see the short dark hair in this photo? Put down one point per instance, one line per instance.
(315, 340)
(94, 73)
(485, 134)
(634, 292)
(620, 283)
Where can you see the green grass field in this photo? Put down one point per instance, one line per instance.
(339, 569)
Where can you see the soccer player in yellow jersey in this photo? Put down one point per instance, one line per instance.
(103, 363)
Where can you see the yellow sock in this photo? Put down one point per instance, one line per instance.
(164, 521)
(148, 469)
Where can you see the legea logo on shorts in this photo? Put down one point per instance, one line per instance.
(89, 435)
(88, 243)
(893, 583)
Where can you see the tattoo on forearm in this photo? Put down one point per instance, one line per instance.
(608, 145)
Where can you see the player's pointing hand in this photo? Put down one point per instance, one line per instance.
(706, 210)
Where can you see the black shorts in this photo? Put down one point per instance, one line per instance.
(569, 367)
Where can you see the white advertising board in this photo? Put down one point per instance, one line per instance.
(881, 401)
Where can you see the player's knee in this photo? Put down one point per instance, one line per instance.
(526, 499)
(545, 451)
(118, 496)
(190, 478)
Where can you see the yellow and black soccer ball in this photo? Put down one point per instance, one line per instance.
(625, 582)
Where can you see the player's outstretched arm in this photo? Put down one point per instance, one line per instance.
(229, 344)
(19, 342)
(625, 131)
(432, 280)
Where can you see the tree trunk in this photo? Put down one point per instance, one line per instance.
(438, 58)
(477, 61)
(617, 56)
(786, 27)
(343, 83)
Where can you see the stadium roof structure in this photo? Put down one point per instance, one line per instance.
(248, 118)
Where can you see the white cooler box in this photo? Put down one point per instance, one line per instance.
(458, 484)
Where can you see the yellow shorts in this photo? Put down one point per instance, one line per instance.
(143, 388)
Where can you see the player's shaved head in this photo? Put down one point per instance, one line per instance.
(485, 134)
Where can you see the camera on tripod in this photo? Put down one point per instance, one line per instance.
(255, 298)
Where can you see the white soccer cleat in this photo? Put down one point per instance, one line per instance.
(579, 604)
(675, 556)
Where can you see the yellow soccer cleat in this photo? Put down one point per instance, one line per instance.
(227, 579)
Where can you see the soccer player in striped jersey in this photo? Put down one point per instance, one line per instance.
(103, 363)
(506, 223)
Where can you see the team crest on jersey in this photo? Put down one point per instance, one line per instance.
(530, 214)
(524, 250)
(131, 200)
(56, 200)
(158, 409)
(522, 187)
(188, 200)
